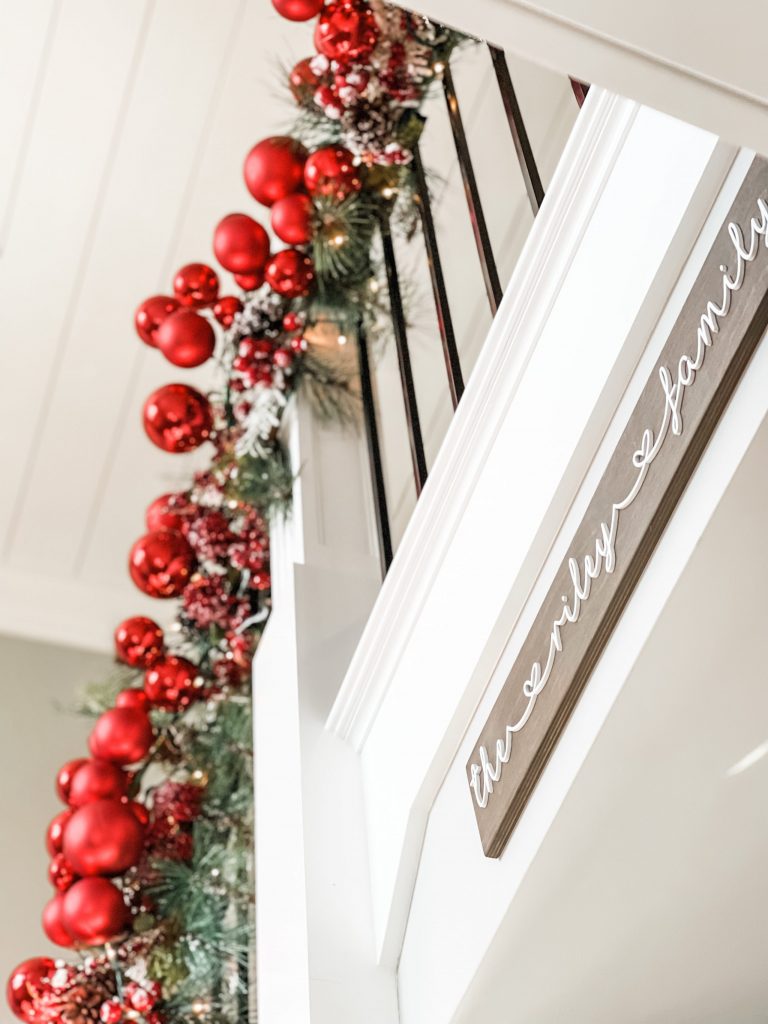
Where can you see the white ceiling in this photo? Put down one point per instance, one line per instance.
(647, 902)
(124, 130)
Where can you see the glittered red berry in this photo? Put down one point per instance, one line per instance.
(111, 1012)
(196, 285)
(151, 314)
(139, 642)
(241, 244)
(292, 218)
(226, 309)
(274, 168)
(290, 273)
(331, 172)
(292, 321)
(186, 339)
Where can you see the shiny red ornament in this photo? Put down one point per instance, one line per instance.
(111, 1011)
(241, 244)
(226, 309)
(139, 811)
(132, 698)
(94, 912)
(274, 168)
(97, 780)
(61, 874)
(298, 10)
(292, 321)
(54, 835)
(122, 736)
(142, 999)
(177, 418)
(168, 512)
(27, 981)
(331, 172)
(170, 684)
(302, 81)
(139, 641)
(53, 925)
(290, 273)
(186, 339)
(161, 562)
(196, 285)
(346, 31)
(250, 282)
(103, 838)
(292, 218)
(151, 314)
(64, 777)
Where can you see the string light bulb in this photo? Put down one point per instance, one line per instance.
(438, 67)
(343, 339)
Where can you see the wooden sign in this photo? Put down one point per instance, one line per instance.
(709, 346)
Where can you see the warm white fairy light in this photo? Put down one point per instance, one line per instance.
(343, 339)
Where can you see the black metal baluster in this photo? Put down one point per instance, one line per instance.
(445, 323)
(525, 156)
(374, 452)
(479, 227)
(404, 359)
(580, 90)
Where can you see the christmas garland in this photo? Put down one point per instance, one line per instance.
(151, 855)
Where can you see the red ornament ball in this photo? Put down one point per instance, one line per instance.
(161, 562)
(186, 339)
(61, 874)
(132, 698)
(250, 282)
(177, 418)
(290, 273)
(111, 1011)
(97, 780)
(241, 244)
(103, 838)
(139, 811)
(298, 10)
(142, 999)
(65, 775)
(53, 925)
(346, 30)
(331, 172)
(196, 285)
(54, 836)
(170, 684)
(151, 314)
(168, 512)
(94, 911)
(27, 981)
(122, 736)
(302, 81)
(292, 218)
(226, 309)
(274, 168)
(139, 641)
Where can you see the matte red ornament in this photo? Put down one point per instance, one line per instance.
(250, 282)
(298, 10)
(151, 314)
(103, 838)
(161, 562)
(186, 339)
(177, 418)
(122, 736)
(132, 698)
(302, 81)
(139, 641)
(53, 925)
(28, 980)
(97, 780)
(196, 285)
(290, 273)
(94, 912)
(54, 835)
(331, 172)
(240, 244)
(292, 218)
(61, 874)
(64, 777)
(274, 168)
(346, 30)
(226, 308)
(170, 684)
